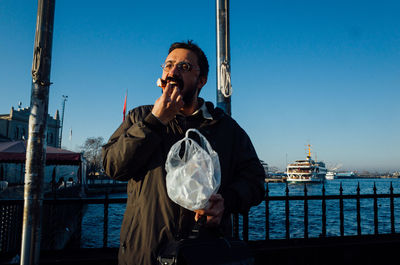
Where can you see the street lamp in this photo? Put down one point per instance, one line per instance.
(62, 118)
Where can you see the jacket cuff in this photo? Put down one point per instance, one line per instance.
(153, 122)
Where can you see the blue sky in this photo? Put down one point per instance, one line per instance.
(325, 73)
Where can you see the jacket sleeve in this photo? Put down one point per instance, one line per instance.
(132, 144)
(247, 186)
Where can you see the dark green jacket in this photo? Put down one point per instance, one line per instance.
(137, 152)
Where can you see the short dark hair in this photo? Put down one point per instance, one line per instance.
(201, 57)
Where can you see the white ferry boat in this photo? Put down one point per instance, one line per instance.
(330, 175)
(306, 170)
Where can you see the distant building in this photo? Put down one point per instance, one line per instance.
(14, 126)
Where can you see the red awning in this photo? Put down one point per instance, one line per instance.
(15, 152)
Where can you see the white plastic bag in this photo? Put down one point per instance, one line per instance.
(195, 176)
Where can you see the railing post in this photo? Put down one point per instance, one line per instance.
(267, 213)
(80, 218)
(235, 225)
(246, 226)
(323, 206)
(375, 211)
(7, 230)
(287, 212)
(305, 212)
(393, 229)
(341, 210)
(358, 210)
(53, 212)
(105, 225)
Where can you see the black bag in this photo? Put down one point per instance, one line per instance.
(205, 247)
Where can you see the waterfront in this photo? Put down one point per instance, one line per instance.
(92, 225)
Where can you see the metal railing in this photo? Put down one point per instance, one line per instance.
(323, 198)
(106, 201)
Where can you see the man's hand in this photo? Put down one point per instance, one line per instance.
(214, 211)
(168, 104)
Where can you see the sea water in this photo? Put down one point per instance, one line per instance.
(92, 224)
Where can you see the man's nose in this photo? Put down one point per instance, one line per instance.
(174, 71)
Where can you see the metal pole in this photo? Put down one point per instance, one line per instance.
(224, 88)
(36, 149)
(62, 120)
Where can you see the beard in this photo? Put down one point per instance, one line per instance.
(187, 93)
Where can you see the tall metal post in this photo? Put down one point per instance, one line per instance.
(224, 88)
(36, 149)
(62, 120)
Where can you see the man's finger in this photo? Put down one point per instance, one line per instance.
(200, 212)
(179, 101)
(175, 94)
(197, 217)
(213, 221)
(167, 92)
(208, 212)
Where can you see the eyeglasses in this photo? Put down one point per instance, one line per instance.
(183, 67)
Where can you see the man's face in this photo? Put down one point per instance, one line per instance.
(188, 82)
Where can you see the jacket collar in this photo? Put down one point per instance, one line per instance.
(203, 110)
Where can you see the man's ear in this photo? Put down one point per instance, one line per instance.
(202, 82)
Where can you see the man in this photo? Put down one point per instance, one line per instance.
(138, 149)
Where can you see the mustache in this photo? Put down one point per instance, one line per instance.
(175, 79)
